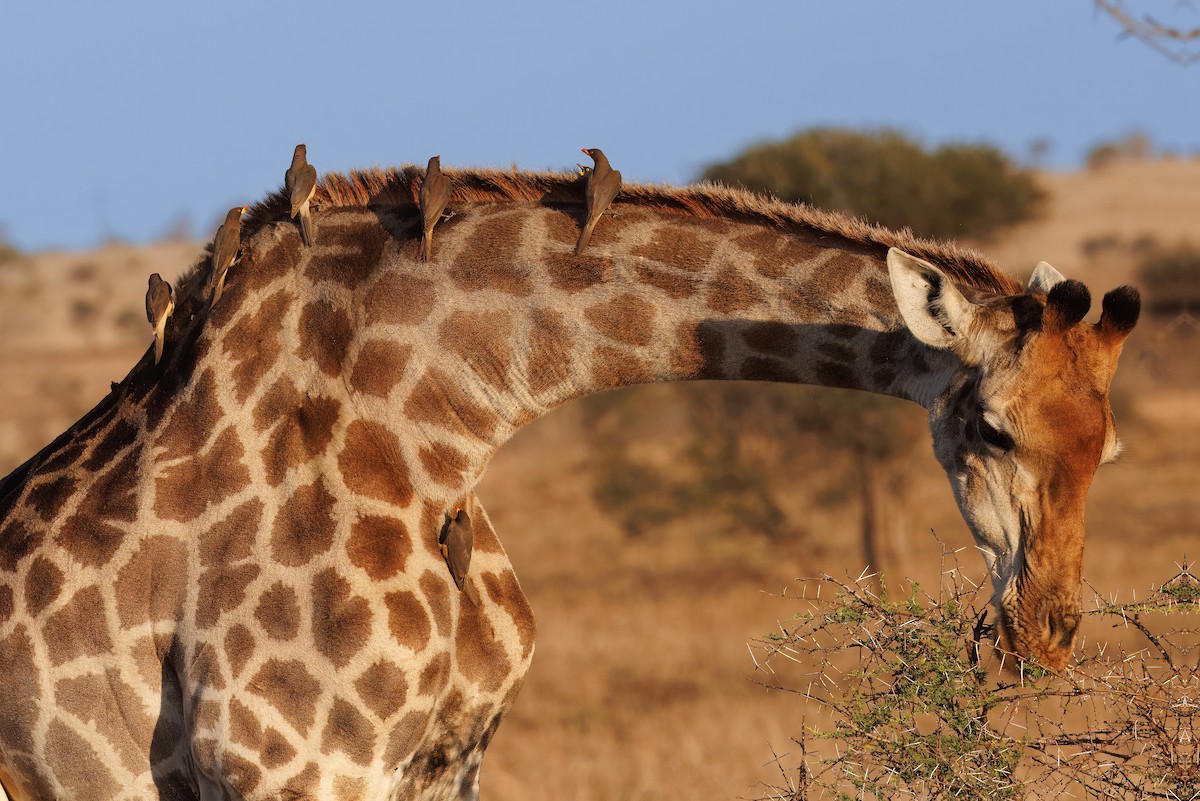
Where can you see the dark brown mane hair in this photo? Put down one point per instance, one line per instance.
(390, 187)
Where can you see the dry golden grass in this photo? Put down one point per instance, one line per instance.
(642, 686)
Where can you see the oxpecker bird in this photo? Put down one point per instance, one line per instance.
(160, 302)
(300, 181)
(435, 194)
(455, 543)
(225, 248)
(603, 184)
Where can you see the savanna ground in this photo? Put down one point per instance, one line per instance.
(642, 685)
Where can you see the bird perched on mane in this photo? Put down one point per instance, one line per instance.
(435, 194)
(225, 248)
(603, 184)
(160, 302)
(455, 543)
(300, 182)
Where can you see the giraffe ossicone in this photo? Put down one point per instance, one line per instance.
(225, 581)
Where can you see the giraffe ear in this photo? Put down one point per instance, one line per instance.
(935, 312)
(1044, 278)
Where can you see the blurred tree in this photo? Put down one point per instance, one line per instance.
(954, 191)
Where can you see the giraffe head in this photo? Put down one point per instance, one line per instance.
(1021, 420)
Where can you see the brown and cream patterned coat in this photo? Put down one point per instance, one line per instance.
(224, 582)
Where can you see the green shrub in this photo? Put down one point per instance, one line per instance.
(954, 191)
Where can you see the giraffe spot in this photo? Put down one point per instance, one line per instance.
(6, 603)
(407, 620)
(348, 254)
(325, 334)
(772, 338)
(230, 540)
(278, 612)
(505, 592)
(626, 318)
(699, 351)
(883, 378)
(730, 291)
(20, 692)
(483, 341)
(435, 590)
(148, 584)
(239, 647)
(877, 292)
(383, 688)
(219, 471)
(379, 367)
(16, 542)
(276, 750)
(840, 272)
(146, 657)
(346, 788)
(268, 258)
(304, 525)
(88, 776)
(406, 736)
(49, 497)
(550, 345)
(206, 672)
(291, 689)
(440, 400)
(757, 368)
(244, 728)
(341, 620)
(479, 269)
(615, 368)
(304, 785)
(685, 244)
(435, 676)
(43, 583)
(253, 345)
(837, 352)
(676, 285)
(770, 254)
(304, 432)
(379, 545)
(832, 374)
(222, 589)
(347, 730)
(276, 403)
(372, 466)
(888, 347)
(119, 437)
(102, 699)
(112, 496)
(399, 299)
(241, 774)
(65, 456)
(572, 274)
(78, 629)
(445, 465)
(480, 657)
(192, 424)
(808, 305)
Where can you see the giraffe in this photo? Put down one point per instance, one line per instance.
(224, 582)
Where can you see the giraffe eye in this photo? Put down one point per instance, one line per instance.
(993, 436)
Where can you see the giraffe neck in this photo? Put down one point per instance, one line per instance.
(438, 365)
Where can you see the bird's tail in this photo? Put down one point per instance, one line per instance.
(160, 335)
(218, 289)
(427, 245)
(585, 235)
(306, 226)
(470, 591)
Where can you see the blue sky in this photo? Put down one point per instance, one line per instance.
(121, 118)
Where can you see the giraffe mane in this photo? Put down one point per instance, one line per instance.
(379, 187)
